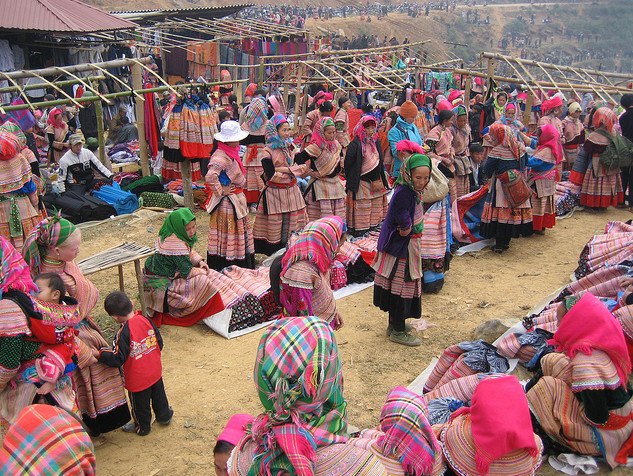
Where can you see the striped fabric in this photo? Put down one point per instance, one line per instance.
(368, 210)
(229, 238)
(461, 388)
(450, 366)
(171, 171)
(543, 212)
(561, 414)
(609, 249)
(603, 191)
(253, 165)
(367, 440)
(14, 271)
(395, 283)
(47, 441)
(593, 372)
(317, 209)
(601, 283)
(276, 228)
(305, 275)
(462, 185)
(326, 188)
(433, 241)
(14, 173)
(625, 315)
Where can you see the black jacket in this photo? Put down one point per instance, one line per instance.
(354, 162)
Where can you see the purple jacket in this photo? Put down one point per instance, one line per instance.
(400, 215)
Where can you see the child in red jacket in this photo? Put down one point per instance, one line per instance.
(136, 348)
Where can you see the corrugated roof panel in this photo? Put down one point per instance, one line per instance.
(63, 16)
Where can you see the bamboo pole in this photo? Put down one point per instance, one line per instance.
(564, 68)
(187, 188)
(137, 83)
(467, 88)
(30, 87)
(298, 98)
(491, 73)
(73, 69)
(100, 130)
(527, 114)
(286, 89)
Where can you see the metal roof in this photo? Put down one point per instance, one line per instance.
(145, 16)
(57, 16)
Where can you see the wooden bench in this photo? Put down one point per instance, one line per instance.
(118, 256)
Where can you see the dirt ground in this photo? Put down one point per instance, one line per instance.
(208, 378)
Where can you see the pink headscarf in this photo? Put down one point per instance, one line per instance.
(604, 333)
(234, 429)
(318, 135)
(406, 145)
(550, 137)
(366, 141)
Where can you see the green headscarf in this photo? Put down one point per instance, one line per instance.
(175, 225)
(413, 162)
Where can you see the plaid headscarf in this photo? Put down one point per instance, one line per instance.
(14, 272)
(502, 134)
(605, 118)
(51, 231)
(256, 115)
(318, 135)
(300, 384)
(47, 440)
(274, 141)
(175, 224)
(366, 142)
(408, 436)
(413, 162)
(14, 129)
(317, 243)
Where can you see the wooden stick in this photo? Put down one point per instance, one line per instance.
(137, 83)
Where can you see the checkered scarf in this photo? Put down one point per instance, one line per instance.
(14, 129)
(317, 243)
(274, 141)
(408, 436)
(300, 384)
(256, 116)
(14, 272)
(52, 231)
(318, 135)
(47, 440)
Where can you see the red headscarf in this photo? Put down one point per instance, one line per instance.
(605, 118)
(51, 118)
(589, 325)
(551, 104)
(550, 137)
(318, 135)
(502, 134)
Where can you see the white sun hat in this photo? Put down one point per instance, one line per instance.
(230, 131)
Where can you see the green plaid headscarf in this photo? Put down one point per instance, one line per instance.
(52, 231)
(300, 384)
(175, 225)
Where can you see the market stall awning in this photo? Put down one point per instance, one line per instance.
(57, 16)
(145, 17)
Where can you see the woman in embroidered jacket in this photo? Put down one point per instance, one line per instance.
(282, 208)
(601, 186)
(255, 120)
(498, 219)
(583, 400)
(305, 288)
(462, 161)
(398, 262)
(230, 233)
(325, 195)
(18, 190)
(341, 121)
(574, 134)
(52, 246)
(542, 165)
(176, 279)
(366, 182)
(36, 341)
(440, 139)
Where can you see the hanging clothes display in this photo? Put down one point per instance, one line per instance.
(189, 135)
